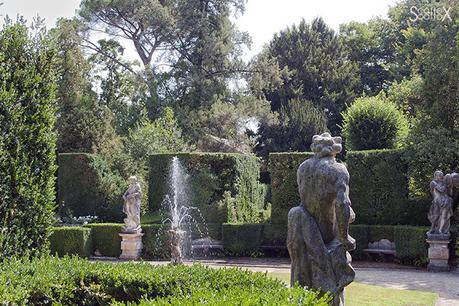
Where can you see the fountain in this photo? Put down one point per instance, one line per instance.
(179, 210)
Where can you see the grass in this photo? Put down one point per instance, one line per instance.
(150, 218)
(358, 294)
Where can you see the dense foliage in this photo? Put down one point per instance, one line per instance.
(374, 123)
(28, 83)
(312, 65)
(73, 281)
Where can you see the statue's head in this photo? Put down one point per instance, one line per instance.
(132, 179)
(438, 175)
(326, 145)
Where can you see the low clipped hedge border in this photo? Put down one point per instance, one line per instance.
(238, 239)
(241, 239)
(74, 281)
(71, 240)
(106, 240)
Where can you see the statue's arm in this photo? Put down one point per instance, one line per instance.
(343, 211)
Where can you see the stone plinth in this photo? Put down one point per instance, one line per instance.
(131, 245)
(438, 254)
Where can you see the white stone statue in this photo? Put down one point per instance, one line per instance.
(131, 206)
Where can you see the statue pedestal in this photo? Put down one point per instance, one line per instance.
(438, 254)
(131, 245)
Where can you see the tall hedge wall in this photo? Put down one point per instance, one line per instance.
(378, 186)
(76, 184)
(284, 189)
(28, 81)
(225, 187)
(78, 188)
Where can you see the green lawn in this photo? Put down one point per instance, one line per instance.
(151, 219)
(358, 294)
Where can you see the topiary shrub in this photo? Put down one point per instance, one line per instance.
(378, 186)
(74, 281)
(284, 188)
(28, 82)
(105, 238)
(71, 241)
(241, 239)
(225, 187)
(374, 123)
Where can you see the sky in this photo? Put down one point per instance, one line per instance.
(262, 18)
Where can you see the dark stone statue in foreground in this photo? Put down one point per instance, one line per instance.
(318, 240)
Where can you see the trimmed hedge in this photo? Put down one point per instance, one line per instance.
(155, 241)
(77, 184)
(410, 244)
(274, 235)
(72, 240)
(284, 188)
(410, 241)
(361, 234)
(225, 187)
(241, 239)
(74, 281)
(106, 239)
(378, 186)
(78, 188)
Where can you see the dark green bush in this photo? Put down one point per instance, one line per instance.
(378, 186)
(241, 239)
(374, 123)
(410, 244)
(73, 281)
(106, 239)
(71, 241)
(284, 189)
(28, 82)
(225, 187)
(76, 185)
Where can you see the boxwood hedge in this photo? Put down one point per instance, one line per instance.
(72, 240)
(74, 281)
